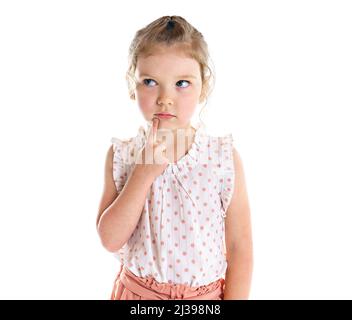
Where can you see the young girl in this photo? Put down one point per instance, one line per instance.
(164, 203)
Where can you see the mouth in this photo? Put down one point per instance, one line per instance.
(164, 115)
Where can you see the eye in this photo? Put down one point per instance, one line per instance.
(184, 81)
(145, 81)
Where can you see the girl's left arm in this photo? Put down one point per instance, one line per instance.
(238, 238)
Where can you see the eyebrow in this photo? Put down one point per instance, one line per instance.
(181, 76)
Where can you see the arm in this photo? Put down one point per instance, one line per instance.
(119, 213)
(238, 236)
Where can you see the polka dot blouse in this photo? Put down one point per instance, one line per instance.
(180, 236)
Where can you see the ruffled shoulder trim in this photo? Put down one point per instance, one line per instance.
(120, 156)
(226, 172)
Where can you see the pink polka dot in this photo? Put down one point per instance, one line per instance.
(170, 251)
(200, 174)
(192, 245)
(175, 228)
(175, 213)
(186, 269)
(178, 260)
(193, 261)
(184, 253)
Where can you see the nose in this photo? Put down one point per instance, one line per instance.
(164, 102)
(165, 99)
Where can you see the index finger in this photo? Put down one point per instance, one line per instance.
(153, 131)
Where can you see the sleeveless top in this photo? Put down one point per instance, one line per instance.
(180, 236)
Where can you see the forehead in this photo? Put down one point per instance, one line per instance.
(170, 60)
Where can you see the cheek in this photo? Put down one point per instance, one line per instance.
(188, 104)
(145, 102)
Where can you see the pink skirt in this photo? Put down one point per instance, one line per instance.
(127, 286)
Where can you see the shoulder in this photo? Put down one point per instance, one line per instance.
(123, 149)
(120, 143)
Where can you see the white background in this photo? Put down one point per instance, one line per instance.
(283, 88)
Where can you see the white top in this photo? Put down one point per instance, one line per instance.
(180, 237)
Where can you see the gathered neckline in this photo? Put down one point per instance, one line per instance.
(189, 160)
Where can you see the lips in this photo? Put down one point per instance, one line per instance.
(164, 114)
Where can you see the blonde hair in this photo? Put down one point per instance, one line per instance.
(171, 31)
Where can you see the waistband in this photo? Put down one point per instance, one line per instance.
(149, 288)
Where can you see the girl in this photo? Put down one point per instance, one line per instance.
(164, 203)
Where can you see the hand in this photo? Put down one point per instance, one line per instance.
(151, 159)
